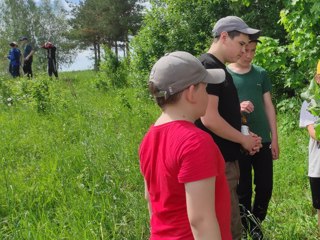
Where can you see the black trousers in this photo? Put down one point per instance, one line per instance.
(14, 70)
(315, 191)
(260, 167)
(52, 67)
(27, 68)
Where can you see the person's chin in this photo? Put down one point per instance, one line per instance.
(235, 59)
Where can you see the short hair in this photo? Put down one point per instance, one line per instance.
(233, 34)
(163, 101)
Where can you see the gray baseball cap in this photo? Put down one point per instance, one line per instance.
(232, 23)
(177, 71)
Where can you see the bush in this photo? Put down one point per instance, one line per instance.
(5, 91)
(37, 93)
(289, 110)
(113, 72)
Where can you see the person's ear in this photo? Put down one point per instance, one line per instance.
(317, 78)
(223, 36)
(190, 94)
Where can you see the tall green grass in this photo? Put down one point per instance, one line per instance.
(71, 170)
(291, 215)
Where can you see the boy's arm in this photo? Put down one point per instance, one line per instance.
(271, 115)
(312, 132)
(146, 196)
(200, 197)
(216, 124)
(30, 54)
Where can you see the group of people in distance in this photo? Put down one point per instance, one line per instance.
(16, 59)
(198, 167)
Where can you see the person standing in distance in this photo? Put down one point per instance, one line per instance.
(222, 119)
(15, 60)
(185, 184)
(28, 57)
(51, 55)
(254, 90)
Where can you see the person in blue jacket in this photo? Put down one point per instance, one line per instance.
(14, 56)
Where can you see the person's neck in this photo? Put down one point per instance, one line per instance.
(174, 114)
(214, 50)
(240, 68)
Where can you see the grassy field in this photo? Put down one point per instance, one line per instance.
(70, 170)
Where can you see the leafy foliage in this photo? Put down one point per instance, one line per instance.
(290, 39)
(107, 22)
(264, 15)
(174, 25)
(35, 94)
(312, 96)
(113, 72)
(41, 22)
(303, 34)
(290, 108)
(273, 57)
(186, 25)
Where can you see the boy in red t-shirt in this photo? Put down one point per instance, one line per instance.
(183, 169)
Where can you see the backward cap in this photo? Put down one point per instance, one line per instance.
(12, 44)
(232, 23)
(23, 38)
(176, 71)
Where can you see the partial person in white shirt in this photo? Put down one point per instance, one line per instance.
(307, 120)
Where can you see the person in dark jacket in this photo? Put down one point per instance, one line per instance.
(28, 56)
(14, 56)
(51, 55)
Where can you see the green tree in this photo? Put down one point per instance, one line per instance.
(301, 19)
(45, 21)
(175, 25)
(86, 15)
(290, 31)
(264, 15)
(106, 22)
(53, 27)
(14, 23)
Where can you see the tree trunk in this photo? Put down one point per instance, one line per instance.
(95, 56)
(116, 48)
(127, 51)
(99, 56)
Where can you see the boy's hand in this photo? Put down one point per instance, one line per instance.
(258, 144)
(252, 143)
(246, 106)
(274, 146)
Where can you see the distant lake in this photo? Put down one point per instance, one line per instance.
(83, 61)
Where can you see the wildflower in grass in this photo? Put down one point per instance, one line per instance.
(9, 101)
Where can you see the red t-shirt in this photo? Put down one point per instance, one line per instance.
(171, 155)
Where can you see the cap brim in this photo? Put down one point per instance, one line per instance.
(249, 31)
(255, 40)
(215, 76)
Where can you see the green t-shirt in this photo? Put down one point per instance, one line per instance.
(251, 86)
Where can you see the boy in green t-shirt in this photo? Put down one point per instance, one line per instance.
(254, 90)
